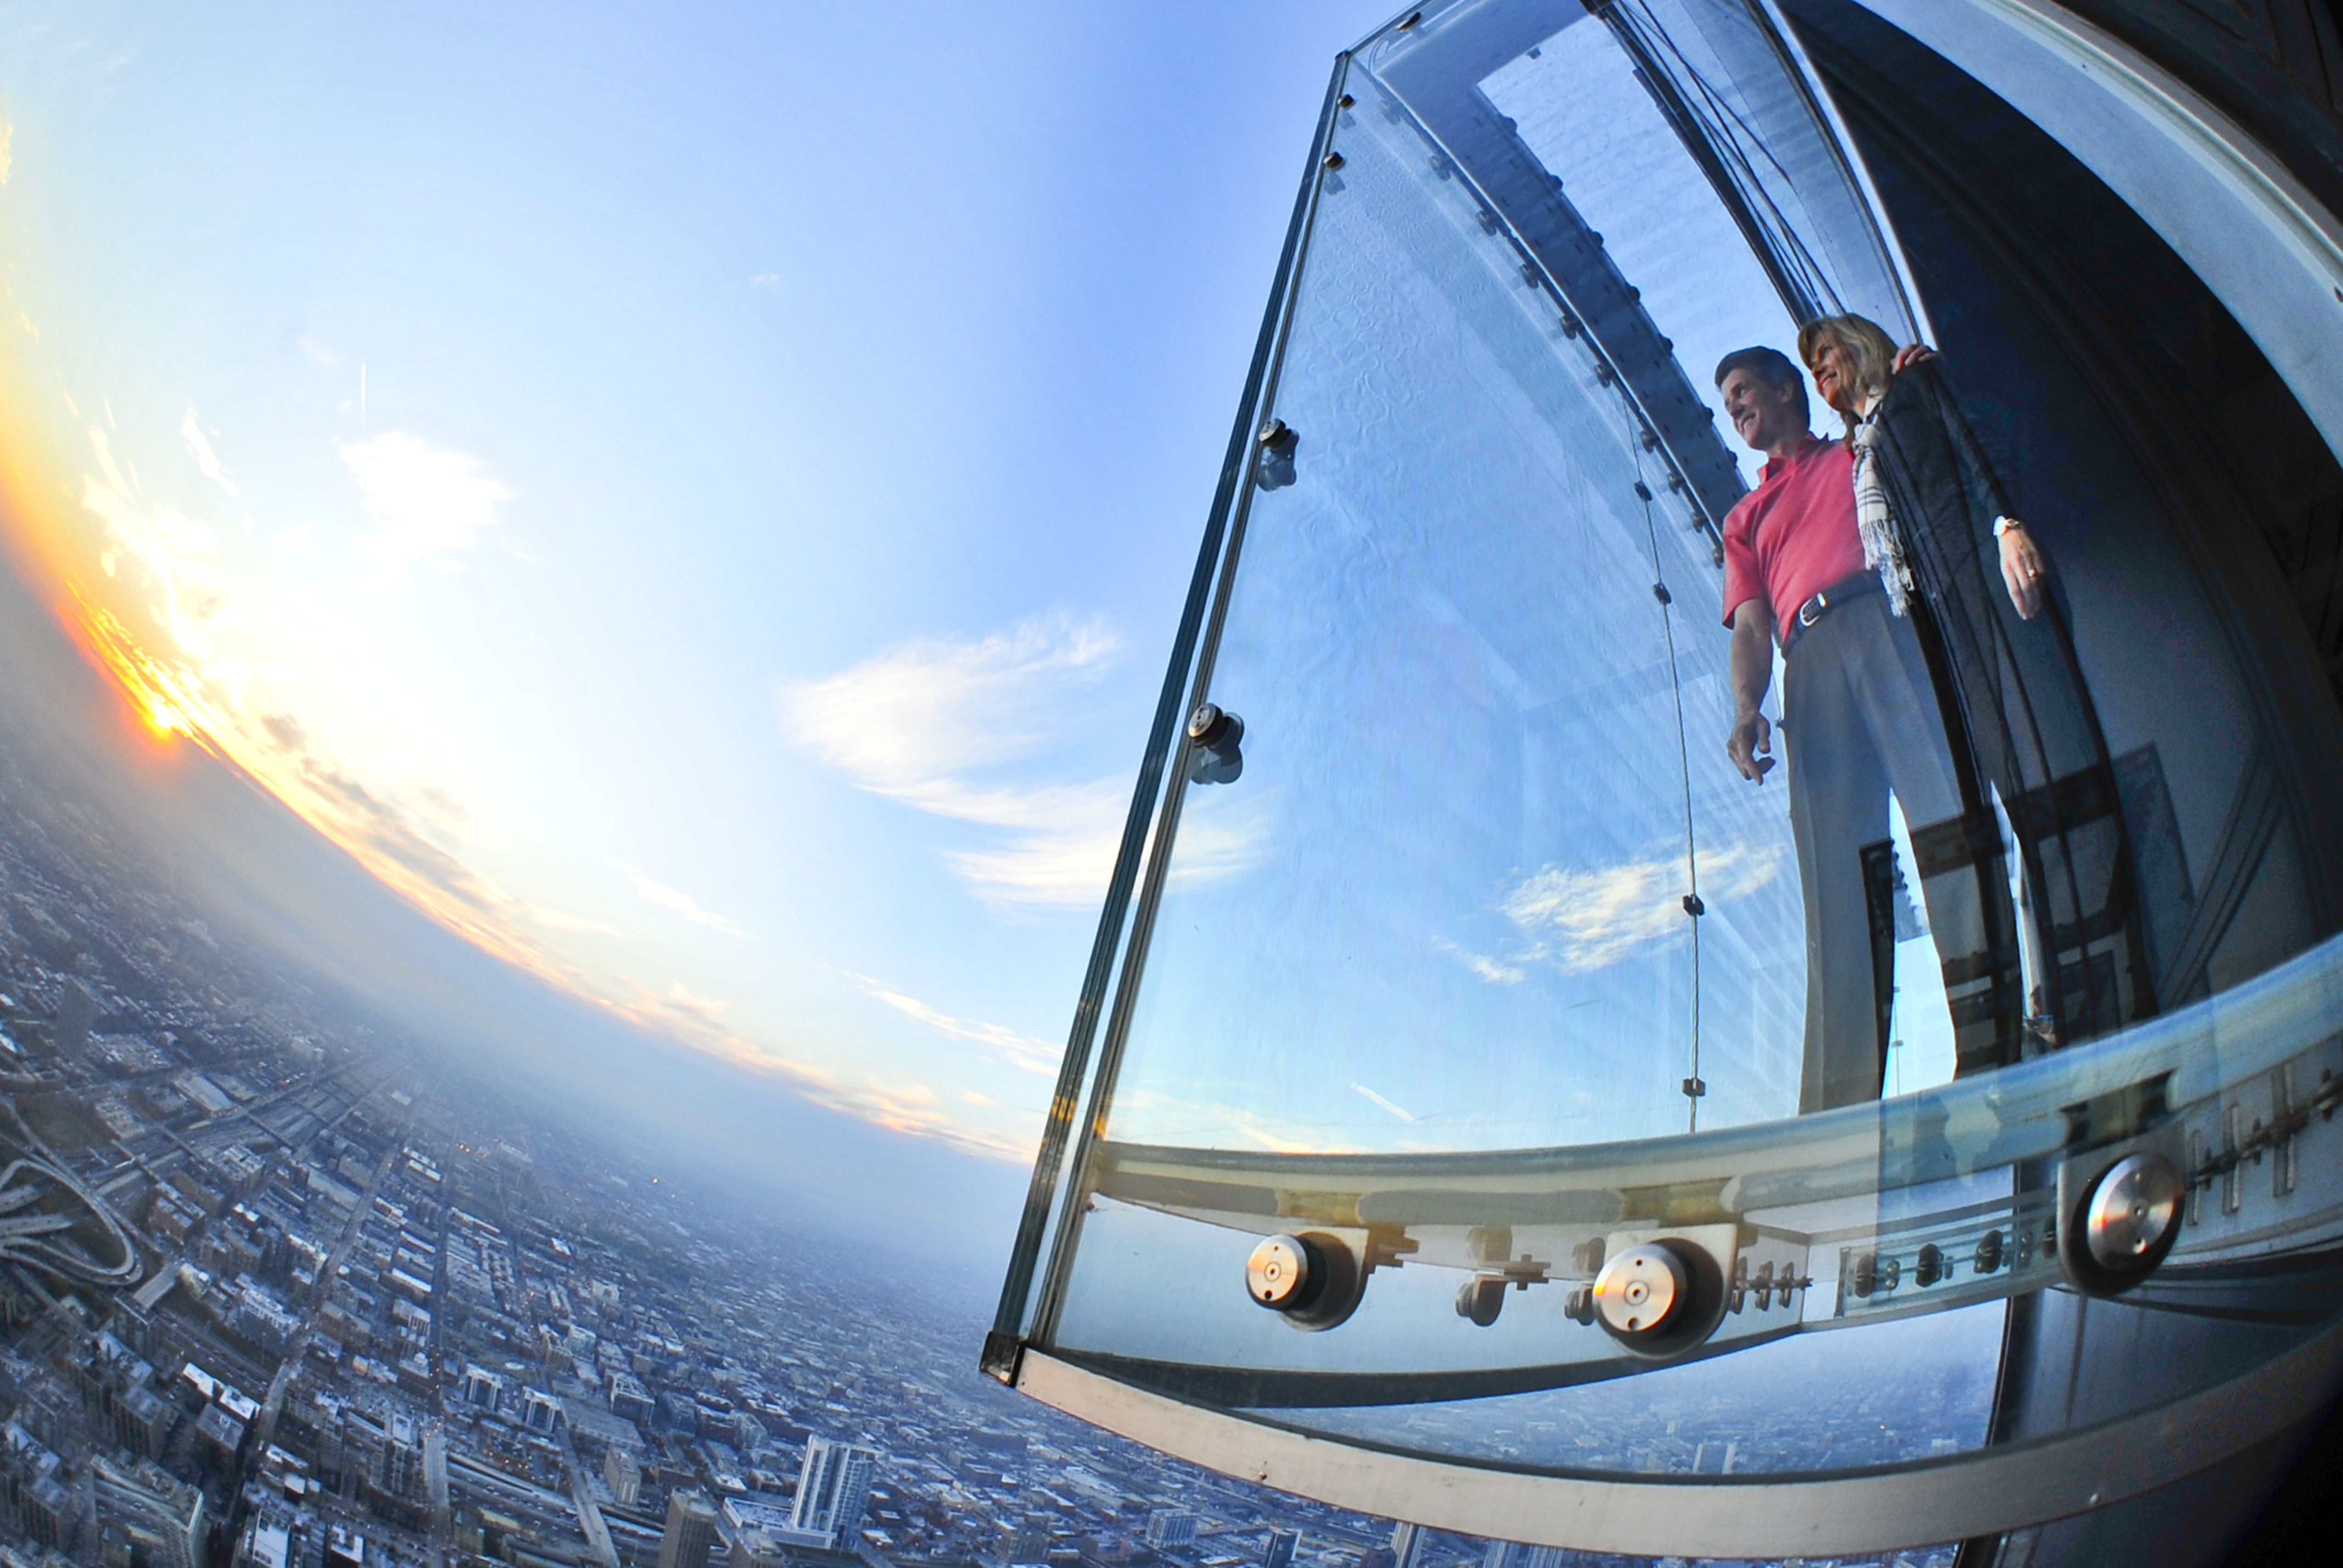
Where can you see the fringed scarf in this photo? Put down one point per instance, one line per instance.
(1883, 551)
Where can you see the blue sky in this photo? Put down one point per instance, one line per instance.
(696, 497)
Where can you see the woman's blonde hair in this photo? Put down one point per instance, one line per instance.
(1870, 353)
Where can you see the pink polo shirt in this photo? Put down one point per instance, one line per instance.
(1793, 534)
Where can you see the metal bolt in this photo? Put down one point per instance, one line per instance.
(1331, 161)
(1480, 1299)
(1215, 728)
(1640, 1290)
(1272, 433)
(1279, 1275)
(1346, 101)
(2132, 1211)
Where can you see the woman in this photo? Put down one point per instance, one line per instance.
(1933, 512)
(1856, 367)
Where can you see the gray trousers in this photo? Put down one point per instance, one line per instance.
(1860, 718)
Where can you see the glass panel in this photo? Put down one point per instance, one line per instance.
(1476, 992)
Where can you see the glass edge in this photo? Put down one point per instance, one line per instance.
(1261, 393)
(1015, 1311)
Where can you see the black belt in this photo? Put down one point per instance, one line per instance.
(1830, 598)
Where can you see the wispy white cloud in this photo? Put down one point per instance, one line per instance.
(768, 281)
(1494, 971)
(945, 724)
(674, 903)
(897, 1102)
(317, 354)
(1587, 919)
(7, 150)
(906, 721)
(1037, 1056)
(1371, 1096)
(199, 448)
(558, 921)
(428, 502)
(173, 555)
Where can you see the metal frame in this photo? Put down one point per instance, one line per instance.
(1924, 1504)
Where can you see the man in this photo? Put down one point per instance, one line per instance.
(1857, 689)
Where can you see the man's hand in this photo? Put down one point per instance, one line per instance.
(1749, 665)
(2022, 569)
(1751, 746)
(1912, 354)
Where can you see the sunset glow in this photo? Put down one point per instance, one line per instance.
(164, 697)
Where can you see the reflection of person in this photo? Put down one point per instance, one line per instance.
(1857, 701)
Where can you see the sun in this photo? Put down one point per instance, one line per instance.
(164, 697)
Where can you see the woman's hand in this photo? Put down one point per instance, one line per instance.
(2022, 569)
(1913, 354)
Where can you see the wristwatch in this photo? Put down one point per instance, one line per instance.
(2003, 525)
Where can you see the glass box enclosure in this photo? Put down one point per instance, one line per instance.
(1518, 1090)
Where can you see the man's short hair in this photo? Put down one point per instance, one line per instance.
(1769, 366)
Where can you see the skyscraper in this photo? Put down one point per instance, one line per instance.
(161, 1517)
(74, 1010)
(1279, 1552)
(1513, 1554)
(832, 1489)
(691, 1532)
(625, 1476)
(1406, 1544)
